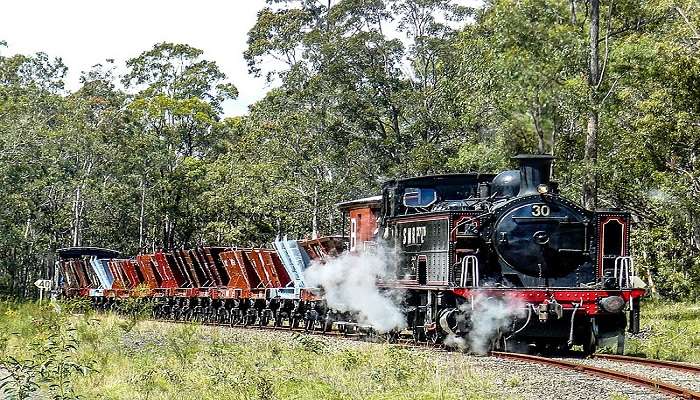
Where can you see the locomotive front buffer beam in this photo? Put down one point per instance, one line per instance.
(565, 317)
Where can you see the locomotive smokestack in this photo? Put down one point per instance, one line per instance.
(535, 169)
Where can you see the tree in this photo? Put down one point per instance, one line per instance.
(177, 106)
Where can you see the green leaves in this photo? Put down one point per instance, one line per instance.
(454, 89)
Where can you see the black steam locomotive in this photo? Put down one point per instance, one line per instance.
(465, 240)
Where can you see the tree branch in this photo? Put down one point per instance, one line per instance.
(612, 87)
(607, 48)
(687, 21)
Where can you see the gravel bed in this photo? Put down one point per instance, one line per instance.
(683, 379)
(525, 380)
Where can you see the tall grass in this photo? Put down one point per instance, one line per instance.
(103, 357)
(67, 352)
(669, 331)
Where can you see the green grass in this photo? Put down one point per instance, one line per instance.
(57, 353)
(106, 357)
(669, 331)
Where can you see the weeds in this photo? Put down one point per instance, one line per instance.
(309, 343)
(669, 331)
(21, 380)
(133, 310)
(184, 342)
(47, 360)
(49, 352)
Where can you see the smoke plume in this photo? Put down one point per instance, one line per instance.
(489, 316)
(485, 318)
(350, 285)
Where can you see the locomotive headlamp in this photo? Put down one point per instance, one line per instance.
(612, 304)
(542, 188)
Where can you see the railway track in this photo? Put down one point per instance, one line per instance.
(578, 365)
(678, 366)
(653, 384)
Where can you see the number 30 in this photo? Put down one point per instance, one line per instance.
(540, 210)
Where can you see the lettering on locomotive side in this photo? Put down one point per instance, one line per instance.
(414, 234)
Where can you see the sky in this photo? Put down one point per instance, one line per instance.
(86, 32)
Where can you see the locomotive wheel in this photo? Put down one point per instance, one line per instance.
(590, 344)
(418, 335)
(620, 350)
(434, 337)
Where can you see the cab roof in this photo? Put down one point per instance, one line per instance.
(373, 201)
(77, 252)
(440, 179)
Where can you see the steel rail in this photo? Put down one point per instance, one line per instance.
(679, 366)
(637, 380)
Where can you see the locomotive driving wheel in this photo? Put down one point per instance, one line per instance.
(590, 342)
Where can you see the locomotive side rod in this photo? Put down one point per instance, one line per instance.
(659, 386)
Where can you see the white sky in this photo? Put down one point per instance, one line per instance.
(86, 32)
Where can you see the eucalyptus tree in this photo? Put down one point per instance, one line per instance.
(176, 106)
(30, 109)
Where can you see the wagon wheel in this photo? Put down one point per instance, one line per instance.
(391, 336)
(327, 323)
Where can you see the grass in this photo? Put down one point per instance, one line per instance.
(669, 331)
(90, 356)
(54, 352)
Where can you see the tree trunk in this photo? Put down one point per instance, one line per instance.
(168, 233)
(77, 215)
(314, 219)
(590, 157)
(142, 222)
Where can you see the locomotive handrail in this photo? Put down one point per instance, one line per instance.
(470, 263)
(624, 271)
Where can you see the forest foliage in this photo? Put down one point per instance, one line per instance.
(364, 90)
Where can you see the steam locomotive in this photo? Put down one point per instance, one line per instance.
(461, 241)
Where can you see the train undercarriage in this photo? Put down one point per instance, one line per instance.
(469, 320)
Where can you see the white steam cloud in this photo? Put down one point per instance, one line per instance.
(350, 285)
(488, 317)
(491, 315)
